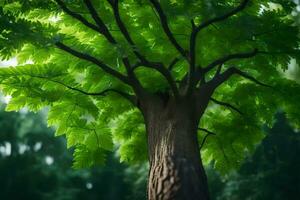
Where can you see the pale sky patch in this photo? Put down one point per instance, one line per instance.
(6, 99)
(5, 150)
(89, 186)
(37, 146)
(49, 160)
(54, 19)
(9, 63)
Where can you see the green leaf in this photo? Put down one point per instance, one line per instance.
(66, 80)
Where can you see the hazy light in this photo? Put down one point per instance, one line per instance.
(271, 7)
(293, 71)
(24, 110)
(7, 99)
(37, 146)
(23, 148)
(13, 62)
(9, 63)
(89, 186)
(6, 149)
(49, 160)
(79, 77)
(2, 150)
(88, 117)
(29, 62)
(54, 19)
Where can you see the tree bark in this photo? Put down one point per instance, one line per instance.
(176, 171)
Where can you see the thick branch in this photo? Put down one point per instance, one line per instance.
(165, 72)
(193, 47)
(165, 26)
(115, 5)
(77, 16)
(226, 105)
(104, 30)
(91, 59)
(173, 63)
(129, 97)
(231, 71)
(193, 79)
(219, 70)
(102, 27)
(206, 136)
(238, 9)
(200, 73)
(143, 61)
(227, 58)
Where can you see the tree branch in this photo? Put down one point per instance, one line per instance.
(115, 5)
(104, 31)
(165, 26)
(165, 72)
(173, 63)
(218, 80)
(219, 70)
(226, 105)
(102, 27)
(227, 58)
(238, 9)
(193, 42)
(206, 136)
(92, 59)
(221, 61)
(77, 16)
(129, 97)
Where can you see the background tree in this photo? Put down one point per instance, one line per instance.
(36, 166)
(112, 70)
(273, 167)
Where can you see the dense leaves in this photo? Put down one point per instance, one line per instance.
(273, 167)
(34, 165)
(71, 64)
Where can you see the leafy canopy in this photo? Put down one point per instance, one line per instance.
(86, 60)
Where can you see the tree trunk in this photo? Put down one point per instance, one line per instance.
(176, 170)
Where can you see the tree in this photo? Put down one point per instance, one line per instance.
(273, 167)
(176, 69)
(34, 165)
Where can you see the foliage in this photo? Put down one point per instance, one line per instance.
(36, 166)
(273, 167)
(65, 64)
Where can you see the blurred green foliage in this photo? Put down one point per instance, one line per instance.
(27, 173)
(271, 173)
(34, 165)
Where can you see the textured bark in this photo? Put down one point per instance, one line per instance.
(176, 171)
